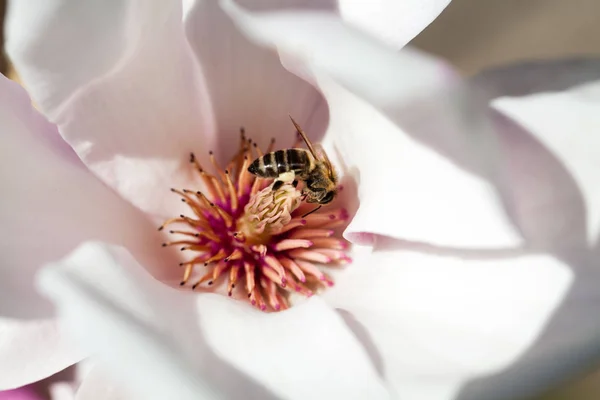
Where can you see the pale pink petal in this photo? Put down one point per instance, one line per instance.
(31, 351)
(25, 393)
(164, 343)
(402, 126)
(120, 81)
(98, 386)
(248, 85)
(438, 319)
(551, 147)
(49, 204)
(395, 22)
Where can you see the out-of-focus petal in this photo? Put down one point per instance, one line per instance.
(554, 159)
(439, 318)
(97, 386)
(248, 85)
(147, 333)
(31, 351)
(25, 393)
(50, 203)
(395, 22)
(403, 125)
(120, 81)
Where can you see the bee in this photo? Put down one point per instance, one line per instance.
(309, 166)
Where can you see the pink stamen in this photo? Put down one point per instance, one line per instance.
(288, 244)
(273, 263)
(311, 233)
(293, 268)
(330, 243)
(309, 255)
(310, 269)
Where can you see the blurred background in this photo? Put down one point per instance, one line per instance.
(476, 34)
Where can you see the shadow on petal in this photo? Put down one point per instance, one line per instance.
(568, 346)
(248, 85)
(539, 193)
(361, 333)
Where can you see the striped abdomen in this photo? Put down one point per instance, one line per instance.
(273, 164)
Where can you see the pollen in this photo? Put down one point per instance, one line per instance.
(259, 244)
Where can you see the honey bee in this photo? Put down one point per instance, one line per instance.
(309, 166)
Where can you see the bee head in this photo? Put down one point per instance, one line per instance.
(328, 197)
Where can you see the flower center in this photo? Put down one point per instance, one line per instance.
(243, 231)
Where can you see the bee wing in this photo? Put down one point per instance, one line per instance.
(306, 140)
(322, 155)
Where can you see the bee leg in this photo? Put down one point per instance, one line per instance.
(295, 183)
(277, 184)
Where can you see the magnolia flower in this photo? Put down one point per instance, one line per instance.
(472, 236)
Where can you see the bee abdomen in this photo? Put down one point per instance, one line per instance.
(273, 164)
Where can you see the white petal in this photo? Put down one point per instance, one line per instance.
(97, 386)
(147, 333)
(50, 203)
(439, 319)
(248, 85)
(420, 150)
(554, 156)
(395, 22)
(120, 81)
(31, 351)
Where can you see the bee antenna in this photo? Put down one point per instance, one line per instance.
(310, 212)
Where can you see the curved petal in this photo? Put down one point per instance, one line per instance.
(556, 107)
(26, 393)
(97, 386)
(147, 333)
(394, 22)
(439, 318)
(119, 80)
(49, 204)
(31, 351)
(421, 149)
(248, 85)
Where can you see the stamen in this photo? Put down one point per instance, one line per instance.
(294, 223)
(293, 268)
(216, 165)
(169, 222)
(233, 275)
(271, 274)
(186, 233)
(178, 242)
(257, 149)
(311, 234)
(224, 215)
(219, 189)
(249, 270)
(186, 274)
(236, 255)
(232, 193)
(288, 244)
(206, 178)
(331, 243)
(244, 178)
(217, 257)
(273, 263)
(310, 269)
(271, 146)
(332, 253)
(309, 255)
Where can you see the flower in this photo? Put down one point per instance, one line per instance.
(445, 287)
